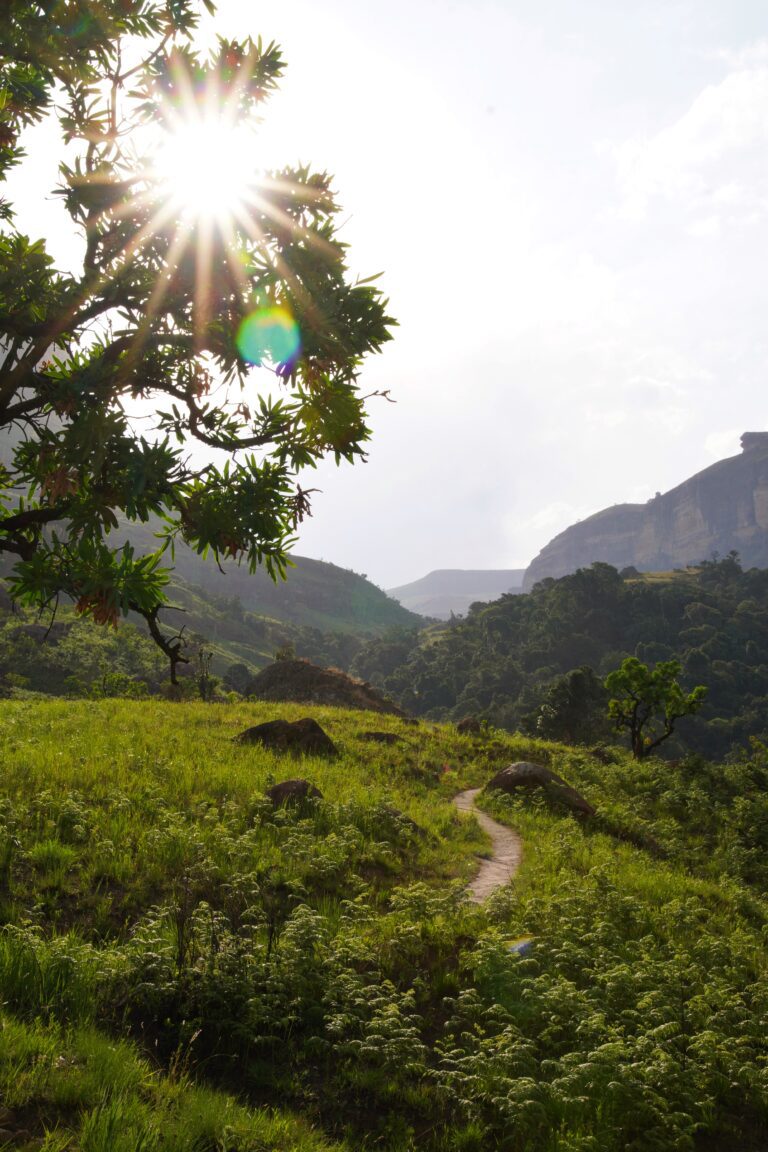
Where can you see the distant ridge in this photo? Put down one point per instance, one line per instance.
(452, 590)
(316, 594)
(722, 508)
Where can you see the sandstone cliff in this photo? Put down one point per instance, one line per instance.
(721, 508)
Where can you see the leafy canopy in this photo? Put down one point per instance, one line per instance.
(648, 702)
(238, 331)
(572, 710)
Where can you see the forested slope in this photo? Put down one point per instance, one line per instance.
(499, 661)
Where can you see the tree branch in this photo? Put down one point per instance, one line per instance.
(32, 516)
(171, 647)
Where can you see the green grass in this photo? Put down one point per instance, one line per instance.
(169, 937)
(77, 1089)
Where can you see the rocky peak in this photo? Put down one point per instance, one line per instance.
(752, 441)
(724, 507)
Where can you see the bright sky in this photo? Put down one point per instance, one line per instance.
(569, 202)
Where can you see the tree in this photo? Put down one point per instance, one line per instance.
(572, 710)
(179, 322)
(648, 703)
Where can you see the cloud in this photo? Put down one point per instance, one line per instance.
(549, 520)
(723, 444)
(691, 162)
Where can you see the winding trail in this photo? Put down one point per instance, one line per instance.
(507, 850)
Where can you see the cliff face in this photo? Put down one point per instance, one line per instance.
(723, 507)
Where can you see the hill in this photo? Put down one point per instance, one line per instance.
(316, 594)
(722, 508)
(321, 612)
(185, 966)
(451, 591)
(73, 656)
(503, 659)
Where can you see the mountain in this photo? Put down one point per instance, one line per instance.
(452, 590)
(316, 594)
(321, 611)
(724, 507)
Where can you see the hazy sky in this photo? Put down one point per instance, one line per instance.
(569, 202)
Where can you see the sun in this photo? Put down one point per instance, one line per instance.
(205, 167)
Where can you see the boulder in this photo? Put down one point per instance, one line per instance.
(301, 737)
(380, 737)
(526, 775)
(293, 792)
(469, 726)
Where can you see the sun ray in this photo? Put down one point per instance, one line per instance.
(156, 298)
(202, 184)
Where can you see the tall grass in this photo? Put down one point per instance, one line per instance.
(166, 933)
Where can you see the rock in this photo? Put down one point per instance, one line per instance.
(724, 507)
(469, 726)
(293, 792)
(380, 737)
(389, 812)
(17, 1136)
(301, 737)
(306, 683)
(526, 775)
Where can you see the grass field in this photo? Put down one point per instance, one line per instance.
(183, 967)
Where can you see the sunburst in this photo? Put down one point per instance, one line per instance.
(204, 165)
(205, 178)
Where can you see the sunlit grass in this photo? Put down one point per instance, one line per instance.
(325, 958)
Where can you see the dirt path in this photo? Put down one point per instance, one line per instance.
(507, 850)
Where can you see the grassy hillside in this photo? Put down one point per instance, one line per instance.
(183, 967)
(325, 613)
(316, 594)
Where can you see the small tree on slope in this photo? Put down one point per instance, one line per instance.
(179, 324)
(648, 703)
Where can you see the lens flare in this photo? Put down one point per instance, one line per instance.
(269, 334)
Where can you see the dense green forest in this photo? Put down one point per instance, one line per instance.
(185, 967)
(505, 659)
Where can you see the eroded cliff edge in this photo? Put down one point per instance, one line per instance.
(722, 508)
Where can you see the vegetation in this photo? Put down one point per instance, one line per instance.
(574, 709)
(74, 657)
(193, 314)
(649, 702)
(185, 965)
(505, 659)
(169, 936)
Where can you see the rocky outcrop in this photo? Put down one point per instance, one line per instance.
(724, 507)
(535, 776)
(299, 737)
(306, 683)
